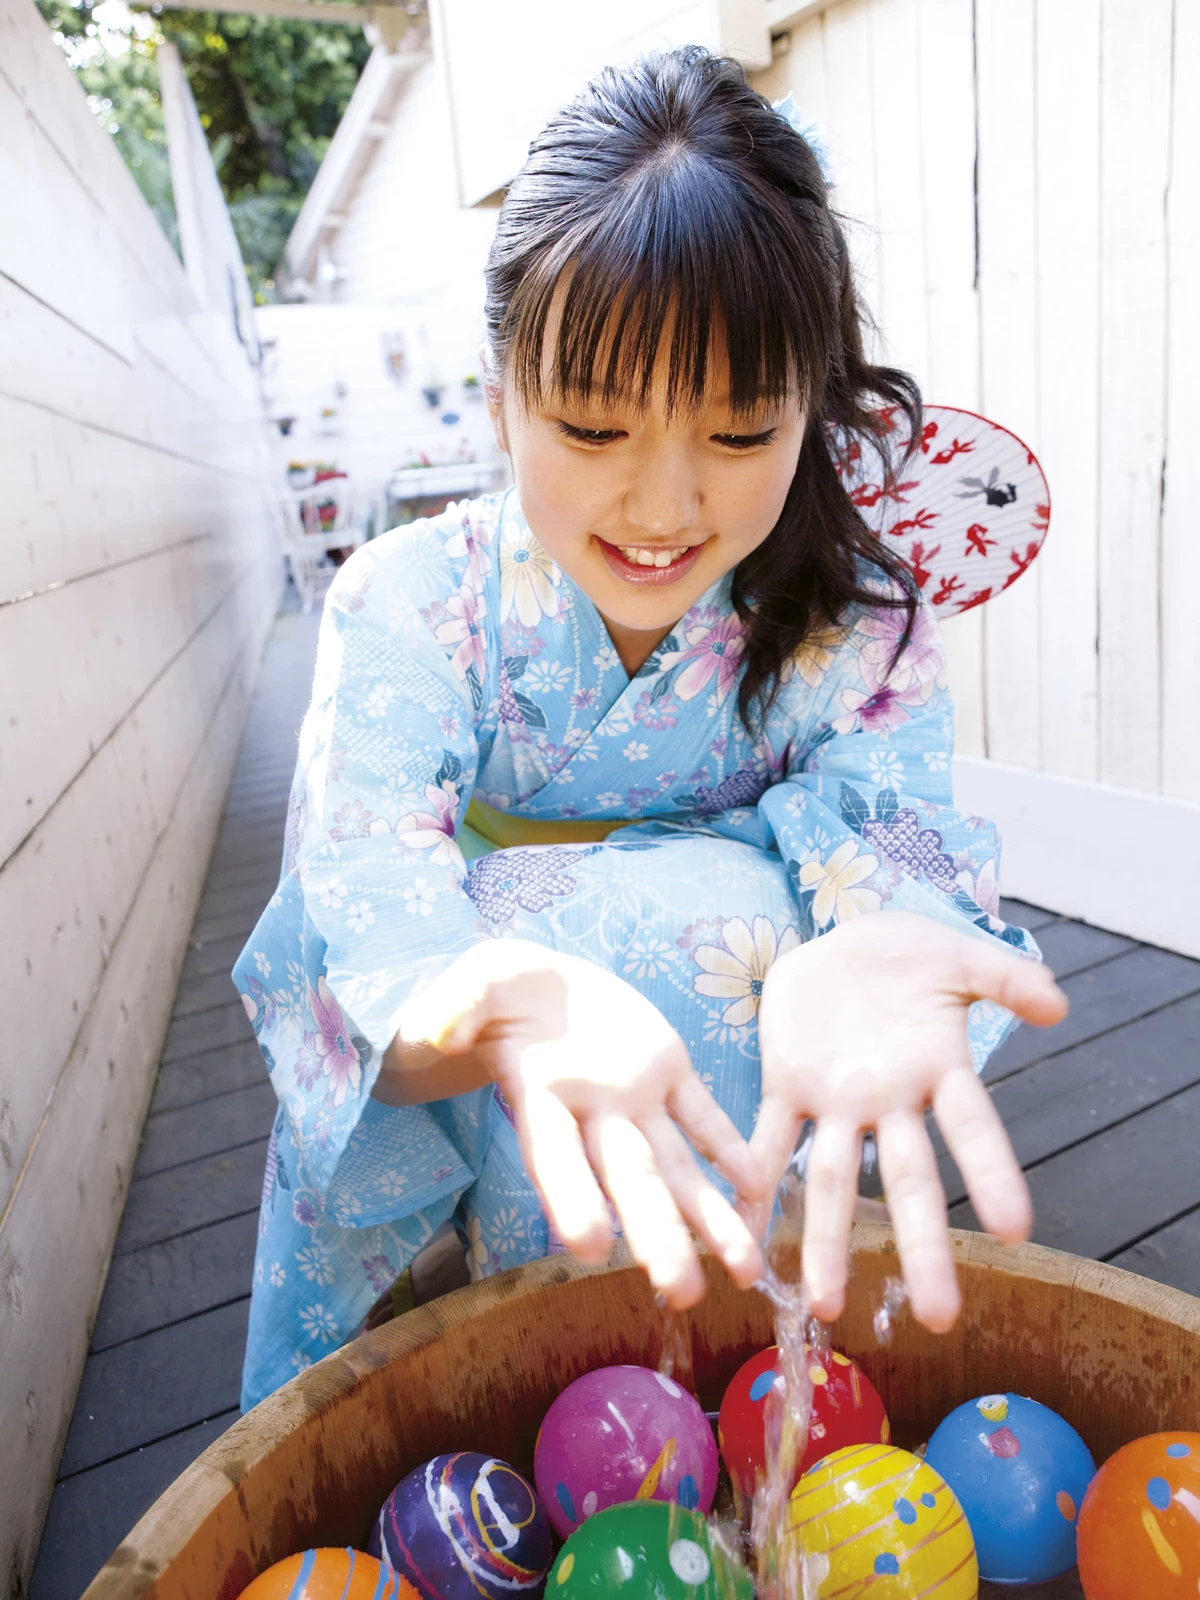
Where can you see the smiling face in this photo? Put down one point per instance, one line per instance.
(646, 507)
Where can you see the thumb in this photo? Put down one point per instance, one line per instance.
(449, 1013)
(1025, 987)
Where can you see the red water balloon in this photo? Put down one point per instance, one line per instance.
(846, 1410)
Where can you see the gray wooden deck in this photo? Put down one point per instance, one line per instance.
(1104, 1111)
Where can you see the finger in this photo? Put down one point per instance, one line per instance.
(654, 1230)
(716, 1137)
(776, 1132)
(1026, 988)
(918, 1207)
(975, 1137)
(708, 1212)
(830, 1191)
(557, 1162)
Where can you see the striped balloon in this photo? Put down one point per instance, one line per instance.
(329, 1575)
(876, 1521)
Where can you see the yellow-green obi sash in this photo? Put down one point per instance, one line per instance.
(485, 829)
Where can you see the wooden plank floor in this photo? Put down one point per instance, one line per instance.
(1104, 1111)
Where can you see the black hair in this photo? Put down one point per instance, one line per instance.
(673, 197)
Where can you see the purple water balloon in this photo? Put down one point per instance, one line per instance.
(619, 1434)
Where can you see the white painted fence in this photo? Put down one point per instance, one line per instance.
(1025, 175)
(138, 572)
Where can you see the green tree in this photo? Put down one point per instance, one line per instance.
(270, 93)
(116, 68)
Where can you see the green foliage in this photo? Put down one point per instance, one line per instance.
(118, 72)
(270, 93)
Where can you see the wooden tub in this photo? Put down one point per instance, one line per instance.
(1117, 1355)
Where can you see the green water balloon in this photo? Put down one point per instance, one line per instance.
(647, 1550)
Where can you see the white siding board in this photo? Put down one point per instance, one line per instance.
(72, 883)
(43, 242)
(1181, 507)
(1008, 343)
(140, 489)
(850, 125)
(900, 199)
(1135, 157)
(102, 1093)
(946, 108)
(1068, 375)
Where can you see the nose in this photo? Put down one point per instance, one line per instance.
(664, 495)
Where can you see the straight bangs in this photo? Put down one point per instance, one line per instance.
(678, 269)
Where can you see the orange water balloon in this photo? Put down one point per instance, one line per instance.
(1139, 1526)
(329, 1575)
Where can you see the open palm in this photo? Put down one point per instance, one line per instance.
(866, 1028)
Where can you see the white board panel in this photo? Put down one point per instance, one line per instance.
(92, 1134)
(900, 184)
(139, 476)
(946, 103)
(852, 132)
(1068, 54)
(501, 97)
(1058, 838)
(1180, 545)
(1135, 158)
(49, 223)
(1008, 344)
(67, 892)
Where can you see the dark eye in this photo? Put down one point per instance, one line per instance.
(744, 441)
(588, 435)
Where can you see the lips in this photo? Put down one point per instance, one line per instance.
(645, 564)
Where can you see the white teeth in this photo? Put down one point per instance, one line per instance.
(641, 557)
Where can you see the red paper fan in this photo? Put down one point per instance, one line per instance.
(968, 512)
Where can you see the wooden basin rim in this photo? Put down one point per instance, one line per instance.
(1117, 1355)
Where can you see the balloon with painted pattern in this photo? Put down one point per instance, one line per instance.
(846, 1409)
(1139, 1526)
(329, 1575)
(465, 1526)
(647, 1551)
(1020, 1472)
(875, 1520)
(619, 1434)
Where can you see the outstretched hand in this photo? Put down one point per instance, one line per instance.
(866, 1028)
(602, 1092)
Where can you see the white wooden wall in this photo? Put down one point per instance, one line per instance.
(1059, 294)
(138, 572)
(510, 67)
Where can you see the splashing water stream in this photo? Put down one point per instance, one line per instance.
(784, 1569)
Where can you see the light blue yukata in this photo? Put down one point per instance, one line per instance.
(456, 660)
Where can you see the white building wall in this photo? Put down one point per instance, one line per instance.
(138, 573)
(406, 237)
(1026, 199)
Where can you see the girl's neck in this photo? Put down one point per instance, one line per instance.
(634, 646)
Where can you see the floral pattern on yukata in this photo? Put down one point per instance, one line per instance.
(456, 659)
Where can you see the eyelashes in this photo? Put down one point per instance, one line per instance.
(745, 441)
(601, 436)
(588, 435)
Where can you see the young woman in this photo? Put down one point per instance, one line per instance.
(687, 721)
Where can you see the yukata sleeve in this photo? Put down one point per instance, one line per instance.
(865, 817)
(372, 901)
